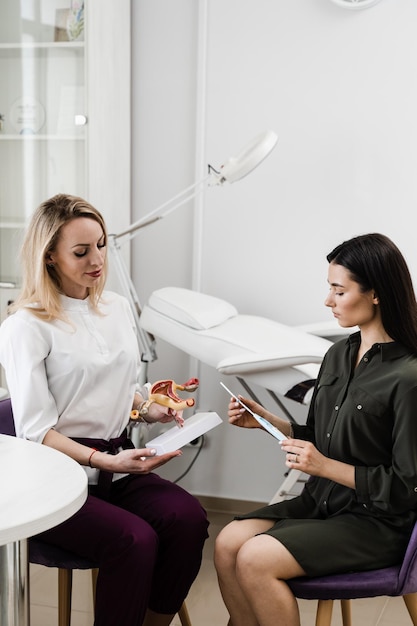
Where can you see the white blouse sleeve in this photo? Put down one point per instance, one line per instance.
(23, 351)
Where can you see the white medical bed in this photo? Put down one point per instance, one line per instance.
(279, 358)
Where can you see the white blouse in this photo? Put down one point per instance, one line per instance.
(77, 378)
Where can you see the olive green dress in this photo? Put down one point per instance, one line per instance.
(366, 417)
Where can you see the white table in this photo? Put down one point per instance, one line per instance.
(39, 488)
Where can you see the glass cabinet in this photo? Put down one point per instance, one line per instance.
(42, 115)
(65, 115)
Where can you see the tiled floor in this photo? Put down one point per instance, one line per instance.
(204, 601)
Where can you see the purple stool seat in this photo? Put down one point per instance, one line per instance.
(52, 556)
(399, 580)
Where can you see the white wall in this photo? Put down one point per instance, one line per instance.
(340, 89)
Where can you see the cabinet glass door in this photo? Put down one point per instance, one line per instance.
(42, 116)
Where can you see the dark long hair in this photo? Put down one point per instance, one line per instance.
(375, 263)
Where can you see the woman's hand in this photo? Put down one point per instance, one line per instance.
(133, 461)
(304, 456)
(239, 416)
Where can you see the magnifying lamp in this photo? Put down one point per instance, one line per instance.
(232, 170)
(250, 157)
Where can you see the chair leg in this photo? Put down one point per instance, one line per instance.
(410, 600)
(65, 593)
(64, 596)
(94, 574)
(346, 612)
(324, 612)
(184, 615)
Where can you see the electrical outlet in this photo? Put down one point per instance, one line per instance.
(195, 443)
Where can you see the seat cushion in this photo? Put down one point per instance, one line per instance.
(46, 554)
(382, 582)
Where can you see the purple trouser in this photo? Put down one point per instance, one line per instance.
(147, 540)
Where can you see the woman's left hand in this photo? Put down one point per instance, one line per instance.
(304, 456)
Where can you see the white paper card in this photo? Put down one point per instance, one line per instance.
(175, 438)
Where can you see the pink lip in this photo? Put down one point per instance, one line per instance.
(94, 274)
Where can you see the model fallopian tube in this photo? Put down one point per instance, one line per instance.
(164, 392)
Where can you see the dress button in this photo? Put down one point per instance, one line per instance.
(415, 489)
(365, 358)
(359, 407)
(364, 506)
(336, 408)
(328, 435)
(324, 502)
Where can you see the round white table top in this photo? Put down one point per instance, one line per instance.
(39, 488)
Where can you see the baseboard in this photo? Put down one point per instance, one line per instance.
(228, 505)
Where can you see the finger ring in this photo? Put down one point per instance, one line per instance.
(295, 458)
(143, 458)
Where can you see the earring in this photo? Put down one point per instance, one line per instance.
(51, 265)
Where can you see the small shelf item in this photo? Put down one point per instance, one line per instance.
(69, 23)
(27, 115)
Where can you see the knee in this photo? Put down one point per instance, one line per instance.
(198, 520)
(225, 548)
(251, 563)
(138, 542)
(190, 521)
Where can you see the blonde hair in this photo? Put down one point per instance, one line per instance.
(41, 285)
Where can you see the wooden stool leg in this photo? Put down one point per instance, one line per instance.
(346, 612)
(94, 574)
(410, 600)
(184, 615)
(64, 596)
(324, 613)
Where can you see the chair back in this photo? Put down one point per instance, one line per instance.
(6, 418)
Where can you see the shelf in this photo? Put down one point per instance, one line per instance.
(29, 45)
(5, 224)
(35, 137)
(7, 284)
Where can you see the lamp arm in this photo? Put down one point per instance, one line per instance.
(165, 208)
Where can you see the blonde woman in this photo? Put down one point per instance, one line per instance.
(71, 359)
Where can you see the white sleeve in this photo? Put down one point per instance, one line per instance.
(23, 351)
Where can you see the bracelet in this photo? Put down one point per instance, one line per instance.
(143, 410)
(89, 458)
(136, 417)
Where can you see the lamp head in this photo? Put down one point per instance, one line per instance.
(250, 157)
(355, 4)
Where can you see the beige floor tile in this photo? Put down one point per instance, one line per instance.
(395, 613)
